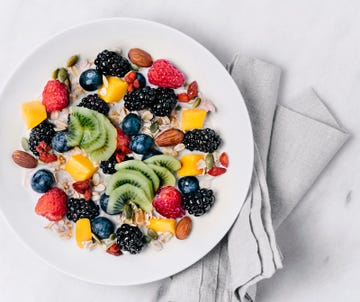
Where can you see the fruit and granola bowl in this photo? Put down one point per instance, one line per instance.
(124, 151)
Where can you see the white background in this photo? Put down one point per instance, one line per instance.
(317, 44)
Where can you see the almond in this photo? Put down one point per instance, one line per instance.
(169, 137)
(183, 228)
(140, 57)
(24, 159)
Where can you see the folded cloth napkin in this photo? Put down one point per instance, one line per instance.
(292, 147)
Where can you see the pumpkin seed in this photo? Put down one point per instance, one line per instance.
(196, 103)
(147, 239)
(152, 234)
(25, 144)
(72, 61)
(62, 75)
(55, 73)
(135, 67)
(127, 209)
(209, 160)
(177, 108)
(112, 236)
(154, 127)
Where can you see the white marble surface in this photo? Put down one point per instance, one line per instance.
(316, 42)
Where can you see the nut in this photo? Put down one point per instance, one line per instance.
(183, 228)
(140, 57)
(24, 159)
(170, 137)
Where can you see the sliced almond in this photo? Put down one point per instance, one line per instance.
(24, 159)
(183, 228)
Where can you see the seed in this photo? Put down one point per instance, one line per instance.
(96, 179)
(156, 244)
(134, 67)
(62, 75)
(196, 102)
(25, 144)
(154, 127)
(127, 211)
(147, 239)
(100, 188)
(72, 61)
(55, 73)
(112, 236)
(177, 108)
(152, 234)
(97, 240)
(209, 160)
(105, 81)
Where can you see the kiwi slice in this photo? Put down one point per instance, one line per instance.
(132, 177)
(75, 132)
(167, 178)
(109, 146)
(125, 193)
(164, 160)
(139, 166)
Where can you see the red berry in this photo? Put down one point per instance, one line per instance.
(122, 142)
(163, 74)
(136, 84)
(45, 153)
(215, 171)
(224, 160)
(168, 202)
(192, 90)
(183, 97)
(55, 96)
(81, 186)
(130, 77)
(52, 205)
(114, 250)
(119, 157)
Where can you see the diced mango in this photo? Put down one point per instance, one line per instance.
(162, 225)
(189, 164)
(192, 119)
(114, 91)
(82, 231)
(80, 167)
(33, 113)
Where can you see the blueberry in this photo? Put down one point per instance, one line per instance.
(42, 181)
(59, 142)
(188, 184)
(151, 153)
(141, 79)
(131, 124)
(90, 80)
(104, 199)
(141, 143)
(102, 227)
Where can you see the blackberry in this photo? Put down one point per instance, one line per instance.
(93, 102)
(197, 203)
(110, 63)
(165, 102)
(205, 140)
(130, 238)
(108, 166)
(80, 208)
(42, 132)
(140, 99)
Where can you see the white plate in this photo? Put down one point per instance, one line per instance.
(231, 120)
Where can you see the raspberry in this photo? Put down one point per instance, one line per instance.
(163, 74)
(52, 205)
(168, 202)
(55, 96)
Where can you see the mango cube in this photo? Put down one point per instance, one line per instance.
(192, 119)
(82, 231)
(80, 167)
(189, 165)
(162, 225)
(115, 90)
(33, 113)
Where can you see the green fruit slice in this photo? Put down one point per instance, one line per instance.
(139, 166)
(166, 161)
(167, 178)
(132, 177)
(75, 132)
(109, 147)
(125, 193)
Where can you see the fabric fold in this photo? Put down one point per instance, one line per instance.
(292, 148)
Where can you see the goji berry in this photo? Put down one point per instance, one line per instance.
(224, 160)
(183, 97)
(81, 186)
(192, 90)
(114, 250)
(216, 171)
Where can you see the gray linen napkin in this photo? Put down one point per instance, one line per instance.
(292, 147)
